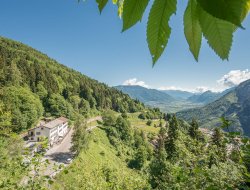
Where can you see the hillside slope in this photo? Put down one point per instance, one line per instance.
(234, 106)
(208, 96)
(98, 162)
(29, 79)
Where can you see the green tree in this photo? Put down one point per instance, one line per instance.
(162, 138)
(75, 102)
(84, 107)
(12, 168)
(217, 137)
(149, 122)
(108, 118)
(13, 75)
(58, 106)
(140, 158)
(194, 129)
(5, 120)
(41, 91)
(225, 124)
(80, 137)
(123, 127)
(218, 141)
(124, 115)
(25, 107)
(157, 168)
(170, 144)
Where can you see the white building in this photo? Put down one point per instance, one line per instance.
(52, 130)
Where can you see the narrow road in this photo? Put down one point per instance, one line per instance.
(61, 154)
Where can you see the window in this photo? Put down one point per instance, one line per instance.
(38, 133)
(42, 128)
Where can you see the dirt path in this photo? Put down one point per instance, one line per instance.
(98, 118)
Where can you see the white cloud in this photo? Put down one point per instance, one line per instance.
(135, 82)
(199, 89)
(229, 80)
(234, 78)
(171, 88)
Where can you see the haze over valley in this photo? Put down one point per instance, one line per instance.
(171, 101)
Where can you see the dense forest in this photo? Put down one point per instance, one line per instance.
(180, 156)
(33, 85)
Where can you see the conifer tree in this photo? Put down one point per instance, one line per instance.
(193, 130)
(218, 141)
(217, 137)
(157, 168)
(170, 144)
(162, 137)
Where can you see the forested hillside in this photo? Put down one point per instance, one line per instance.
(33, 85)
(208, 96)
(131, 151)
(234, 106)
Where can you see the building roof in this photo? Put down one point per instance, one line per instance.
(56, 122)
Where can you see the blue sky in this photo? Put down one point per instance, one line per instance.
(77, 36)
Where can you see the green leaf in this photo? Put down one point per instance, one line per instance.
(101, 4)
(132, 12)
(219, 33)
(120, 7)
(192, 28)
(233, 11)
(158, 30)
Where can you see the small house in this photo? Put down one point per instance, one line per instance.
(53, 130)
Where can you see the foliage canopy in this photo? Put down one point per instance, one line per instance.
(216, 20)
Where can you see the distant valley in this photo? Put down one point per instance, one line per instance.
(171, 101)
(207, 107)
(234, 105)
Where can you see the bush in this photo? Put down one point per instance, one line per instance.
(149, 122)
(124, 115)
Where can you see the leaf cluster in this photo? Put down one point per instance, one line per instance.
(215, 20)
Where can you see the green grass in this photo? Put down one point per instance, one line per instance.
(141, 124)
(93, 123)
(99, 168)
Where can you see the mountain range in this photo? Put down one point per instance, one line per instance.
(146, 95)
(171, 100)
(178, 94)
(159, 99)
(208, 96)
(234, 105)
